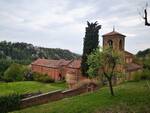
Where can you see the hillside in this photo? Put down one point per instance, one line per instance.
(143, 54)
(28, 52)
(144, 58)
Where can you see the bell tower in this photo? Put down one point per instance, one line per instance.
(115, 40)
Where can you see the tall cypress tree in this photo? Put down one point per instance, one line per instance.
(90, 43)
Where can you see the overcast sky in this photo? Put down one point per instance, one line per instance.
(61, 23)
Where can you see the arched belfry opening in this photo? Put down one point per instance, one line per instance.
(120, 45)
(110, 43)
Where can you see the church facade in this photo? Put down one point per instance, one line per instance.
(116, 40)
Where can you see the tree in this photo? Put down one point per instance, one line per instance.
(145, 17)
(105, 62)
(4, 64)
(15, 72)
(90, 43)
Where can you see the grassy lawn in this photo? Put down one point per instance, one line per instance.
(130, 97)
(29, 87)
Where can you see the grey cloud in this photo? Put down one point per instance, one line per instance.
(61, 23)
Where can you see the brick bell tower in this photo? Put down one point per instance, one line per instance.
(115, 40)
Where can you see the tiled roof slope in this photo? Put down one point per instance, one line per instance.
(113, 33)
(76, 64)
(51, 63)
(132, 67)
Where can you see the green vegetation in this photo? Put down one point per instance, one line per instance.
(132, 97)
(141, 75)
(9, 103)
(144, 58)
(24, 53)
(90, 44)
(103, 62)
(42, 78)
(15, 73)
(29, 87)
(143, 53)
(4, 64)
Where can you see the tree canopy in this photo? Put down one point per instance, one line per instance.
(105, 62)
(91, 42)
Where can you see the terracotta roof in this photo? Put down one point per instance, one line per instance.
(75, 64)
(128, 54)
(113, 33)
(132, 67)
(51, 63)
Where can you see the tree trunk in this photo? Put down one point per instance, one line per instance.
(110, 86)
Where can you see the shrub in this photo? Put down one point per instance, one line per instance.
(142, 75)
(28, 76)
(9, 103)
(15, 73)
(42, 77)
(146, 74)
(4, 64)
(136, 76)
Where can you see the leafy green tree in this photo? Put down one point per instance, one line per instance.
(4, 64)
(105, 62)
(15, 73)
(90, 43)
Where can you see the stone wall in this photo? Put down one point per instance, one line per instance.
(54, 96)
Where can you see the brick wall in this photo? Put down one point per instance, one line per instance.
(53, 96)
(52, 72)
(41, 99)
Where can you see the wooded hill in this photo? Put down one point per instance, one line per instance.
(23, 52)
(144, 54)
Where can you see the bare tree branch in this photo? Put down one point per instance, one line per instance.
(145, 16)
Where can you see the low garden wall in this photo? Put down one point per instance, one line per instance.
(54, 96)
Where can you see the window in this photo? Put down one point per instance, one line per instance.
(110, 43)
(120, 45)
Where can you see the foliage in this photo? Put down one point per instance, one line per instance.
(132, 97)
(25, 87)
(144, 53)
(144, 57)
(42, 78)
(4, 64)
(90, 43)
(142, 75)
(9, 103)
(25, 53)
(105, 62)
(15, 73)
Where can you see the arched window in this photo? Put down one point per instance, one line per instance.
(120, 45)
(110, 43)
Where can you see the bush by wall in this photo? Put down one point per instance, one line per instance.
(42, 78)
(9, 103)
(142, 75)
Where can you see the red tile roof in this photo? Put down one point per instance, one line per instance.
(113, 33)
(132, 67)
(51, 63)
(76, 64)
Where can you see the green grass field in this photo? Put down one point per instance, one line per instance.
(130, 97)
(29, 87)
